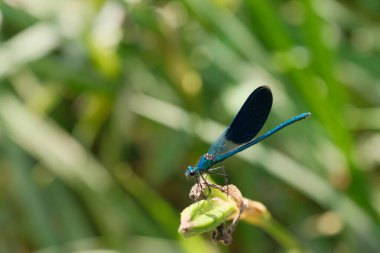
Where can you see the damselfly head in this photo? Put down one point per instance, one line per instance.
(190, 172)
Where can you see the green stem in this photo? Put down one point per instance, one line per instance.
(281, 235)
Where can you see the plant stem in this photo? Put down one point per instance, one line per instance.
(281, 235)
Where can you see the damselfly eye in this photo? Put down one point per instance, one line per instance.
(189, 172)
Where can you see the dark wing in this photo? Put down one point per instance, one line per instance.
(251, 117)
(247, 122)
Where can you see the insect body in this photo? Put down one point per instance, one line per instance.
(242, 131)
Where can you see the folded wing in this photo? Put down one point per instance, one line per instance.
(247, 123)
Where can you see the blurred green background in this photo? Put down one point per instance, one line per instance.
(103, 104)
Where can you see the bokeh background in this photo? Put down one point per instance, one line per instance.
(103, 104)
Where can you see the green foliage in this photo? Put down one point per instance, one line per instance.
(103, 104)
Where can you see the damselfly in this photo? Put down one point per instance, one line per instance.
(242, 131)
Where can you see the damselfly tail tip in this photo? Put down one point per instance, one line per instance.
(307, 115)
